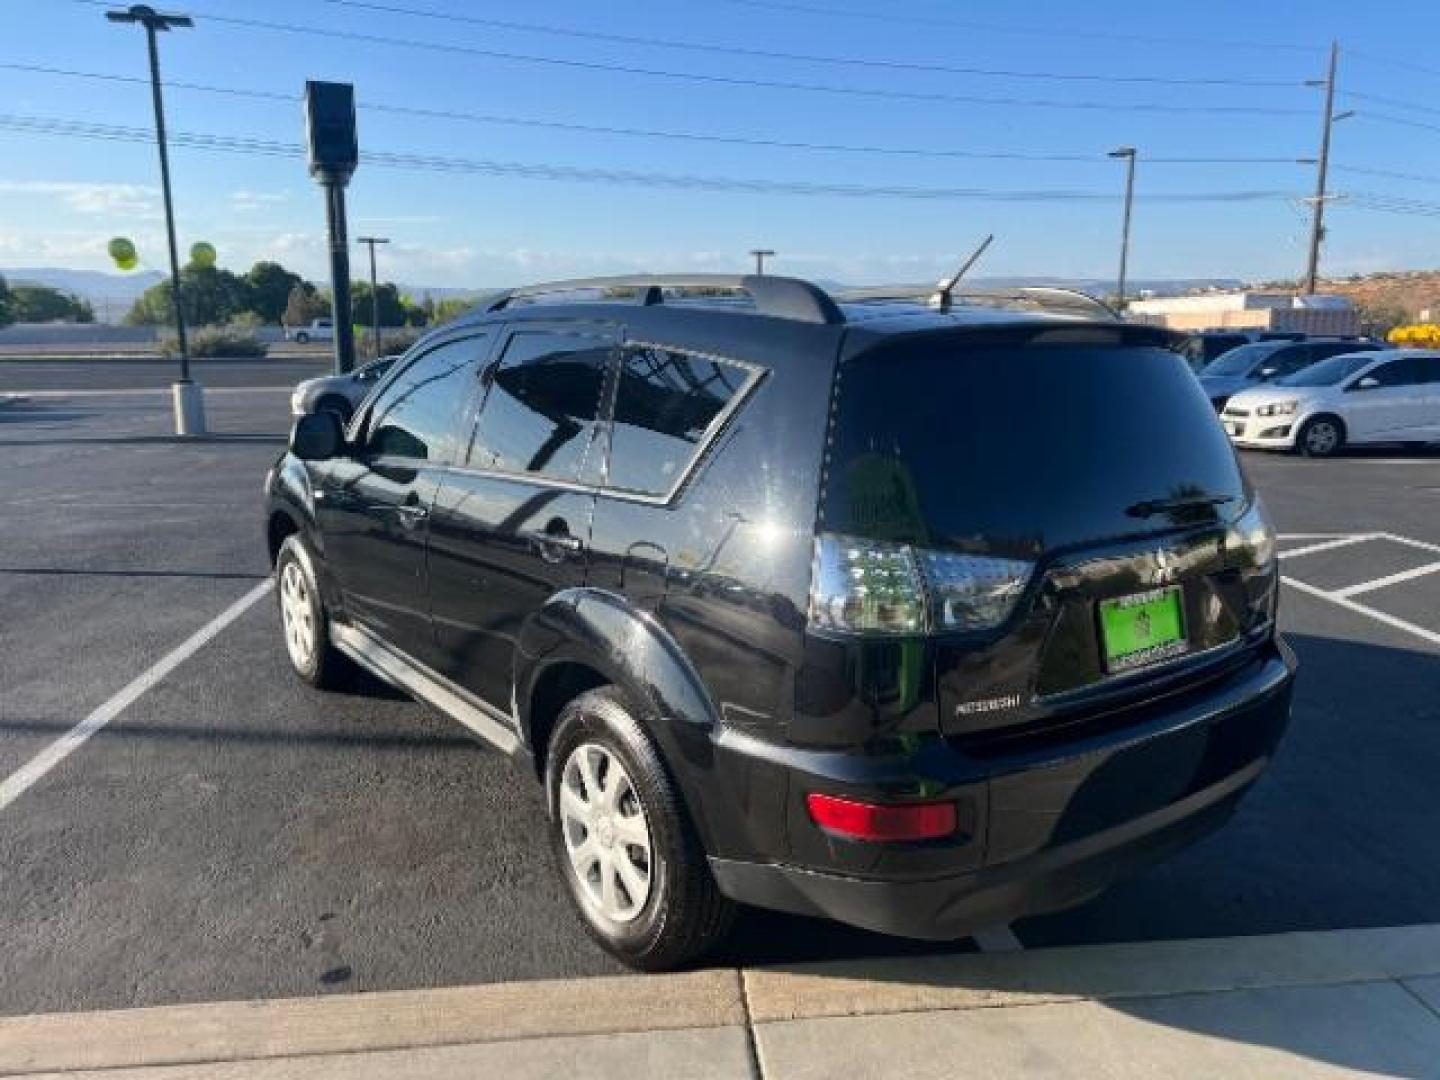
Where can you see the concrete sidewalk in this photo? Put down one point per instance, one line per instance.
(1329, 1003)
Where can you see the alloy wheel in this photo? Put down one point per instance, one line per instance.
(297, 615)
(606, 835)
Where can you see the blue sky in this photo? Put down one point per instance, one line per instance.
(63, 197)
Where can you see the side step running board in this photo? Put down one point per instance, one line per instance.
(375, 656)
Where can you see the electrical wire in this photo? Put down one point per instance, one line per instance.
(1026, 31)
(797, 57)
(1098, 158)
(390, 41)
(62, 126)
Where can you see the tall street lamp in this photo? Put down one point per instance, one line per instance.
(371, 241)
(1128, 153)
(187, 395)
(761, 254)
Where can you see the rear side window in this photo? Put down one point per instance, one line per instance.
(1406, 371)
(415, 415)
(542, 405)
(665, 404)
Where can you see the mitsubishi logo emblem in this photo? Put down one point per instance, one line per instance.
(1164, 567)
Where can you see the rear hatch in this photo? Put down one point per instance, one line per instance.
(1079, 476)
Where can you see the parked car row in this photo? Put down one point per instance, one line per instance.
(1356, 398)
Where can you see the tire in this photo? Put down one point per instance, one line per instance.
(337, 405)
(1321, 436)
(666, 911)
(303, 620)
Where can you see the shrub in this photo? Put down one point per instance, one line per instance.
(216, 341)
(392, 342)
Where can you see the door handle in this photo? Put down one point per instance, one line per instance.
(555, 546)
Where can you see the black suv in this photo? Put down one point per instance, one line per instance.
(920, 615)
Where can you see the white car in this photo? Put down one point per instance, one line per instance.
(1392, 396)
(317, 330)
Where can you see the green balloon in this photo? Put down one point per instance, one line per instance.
(203, 254)
(123, 252)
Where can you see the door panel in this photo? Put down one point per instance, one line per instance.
(511, 528)
(374, 508)
(1393, 410)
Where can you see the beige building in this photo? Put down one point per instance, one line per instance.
(1320, 314)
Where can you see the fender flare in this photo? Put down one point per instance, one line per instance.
(628, 647)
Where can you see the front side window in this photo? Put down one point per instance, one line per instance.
(415, 416)
(1239, 361)
(542, 405)
(1328, 372)
(665, 403)
(1402, 372)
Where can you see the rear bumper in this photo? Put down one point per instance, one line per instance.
(1059, 831)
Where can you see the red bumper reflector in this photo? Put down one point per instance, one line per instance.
(871, 821)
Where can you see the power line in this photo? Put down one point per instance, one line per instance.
(1388, 174)
(1392, 62)
(391, 41)
(1380, 99)
(1402, 121)
(70, 127)
(1027, 31)
(652, 133)
(800, 57)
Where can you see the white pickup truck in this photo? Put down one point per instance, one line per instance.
(317, 330)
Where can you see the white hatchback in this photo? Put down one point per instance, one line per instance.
(1375, 397)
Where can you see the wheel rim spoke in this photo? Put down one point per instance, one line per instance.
(606, 836)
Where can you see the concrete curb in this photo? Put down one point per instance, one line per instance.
(755, 998)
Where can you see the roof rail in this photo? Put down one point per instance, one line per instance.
(1044, 298)
(780, 297)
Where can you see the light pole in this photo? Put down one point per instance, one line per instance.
(1322, 171)
(761, 254)
(188, 396)
(1128, 153)
(371, 241)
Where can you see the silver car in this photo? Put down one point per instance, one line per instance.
(340, 394)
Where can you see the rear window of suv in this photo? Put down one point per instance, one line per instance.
(1018, 450)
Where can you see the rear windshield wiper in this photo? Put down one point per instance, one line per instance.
(1151, 507)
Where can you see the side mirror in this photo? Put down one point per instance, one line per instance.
(1265, 374)
(1369, 382)
(317, 436)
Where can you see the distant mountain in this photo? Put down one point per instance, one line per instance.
(109, 294)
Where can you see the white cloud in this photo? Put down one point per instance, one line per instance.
(244, 202)
(86, 197)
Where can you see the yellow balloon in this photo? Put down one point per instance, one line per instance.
(203, 254)
(122, 250)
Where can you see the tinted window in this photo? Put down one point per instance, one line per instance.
(1328, 372)
(1291, 359)
(415, 416)
(1403, 372)
(1018, 450)
(1240, 361)
(541, 407)
(663, 406)
(1429, 368)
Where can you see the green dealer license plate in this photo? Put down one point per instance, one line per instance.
(1142, 629)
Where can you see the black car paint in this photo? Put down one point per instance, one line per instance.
(696, 608)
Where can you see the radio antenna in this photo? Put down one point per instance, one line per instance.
(941, 297)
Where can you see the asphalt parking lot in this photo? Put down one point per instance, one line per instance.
(232, 834)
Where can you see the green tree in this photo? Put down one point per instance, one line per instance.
(392, 309)
(42, 304)
(452, 307)
(211, 296)
(6, 316)
(304, 304)
(268, 286)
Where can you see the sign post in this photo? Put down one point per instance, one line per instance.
(334, 154)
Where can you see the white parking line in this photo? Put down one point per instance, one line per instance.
(1329, 545)
(131, 391)
(997, 939)
(1363, 609)
(21, 781)
(1389, 579)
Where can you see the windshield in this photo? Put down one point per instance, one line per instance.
(1328, 372)
(1240, 361)
(927, 448)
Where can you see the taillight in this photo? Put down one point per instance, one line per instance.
(879, 821)
(878, 587)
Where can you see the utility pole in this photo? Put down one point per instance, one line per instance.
(371, 241)
(761, 254)
(1128, 153)
(1317, 217)
(187, 396)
